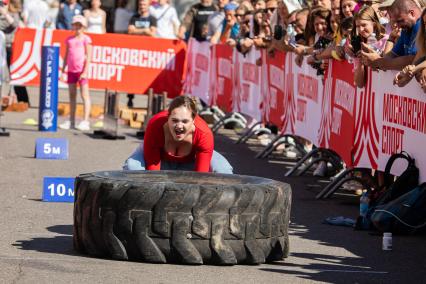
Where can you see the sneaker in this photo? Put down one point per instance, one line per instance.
(321, 170)
(84, 125)
(65, 125)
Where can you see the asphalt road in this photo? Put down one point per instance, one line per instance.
(36, 237)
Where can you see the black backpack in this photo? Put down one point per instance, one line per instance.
(404, 215)
(407, 181)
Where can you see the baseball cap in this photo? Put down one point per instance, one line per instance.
(386, 4)
(230, 7)
(79, 19)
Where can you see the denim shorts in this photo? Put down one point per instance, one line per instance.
(218, 164)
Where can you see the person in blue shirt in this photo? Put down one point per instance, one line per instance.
(406, 14)
(67, 11)
(230, 27)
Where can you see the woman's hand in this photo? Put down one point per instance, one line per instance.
(348, 49)
(395, 33)
(231, 42)
(401, 79)
(300, 50)
(409, 70)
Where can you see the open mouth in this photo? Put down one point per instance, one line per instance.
(179, 131)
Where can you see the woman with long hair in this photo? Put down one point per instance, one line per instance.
(96, 18)
(178, 139)
(372, 35)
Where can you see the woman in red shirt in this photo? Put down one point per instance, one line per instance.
(178, 139)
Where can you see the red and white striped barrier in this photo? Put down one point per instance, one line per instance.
(364, 126)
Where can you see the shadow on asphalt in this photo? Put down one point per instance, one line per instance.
(354, 256)
(58, 244)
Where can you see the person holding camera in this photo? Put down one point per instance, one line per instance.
(406, 14)
(318, 36)
(369, 31)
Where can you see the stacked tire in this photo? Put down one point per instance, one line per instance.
(181, 217)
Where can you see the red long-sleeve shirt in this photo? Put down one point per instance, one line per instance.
(202, 145)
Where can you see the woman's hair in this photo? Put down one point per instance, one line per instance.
(186, 101)
(310, 28)
(256, 27)
(367, 13)
(421, 36)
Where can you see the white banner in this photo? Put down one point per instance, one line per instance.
(391, 119)
(198, 70)
(308, 90)
(247, 96)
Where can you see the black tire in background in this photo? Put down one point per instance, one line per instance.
(181, 217)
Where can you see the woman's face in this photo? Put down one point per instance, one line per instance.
(364, 27)
(77, 27)
(180, 123)
(282, 10)
(348, 7)
(334, 23)
(260, 5)
(320, 26)
(96, 4)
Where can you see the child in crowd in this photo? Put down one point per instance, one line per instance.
(77, 58)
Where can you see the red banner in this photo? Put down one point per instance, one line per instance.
(222, 76)
(338, 113)
(124, 63)
(273, 86)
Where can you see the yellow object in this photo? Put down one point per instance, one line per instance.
(30, 121)
(98, 124)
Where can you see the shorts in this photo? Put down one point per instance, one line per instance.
(74, 78)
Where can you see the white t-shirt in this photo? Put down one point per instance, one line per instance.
(36, 13)
(167, 19)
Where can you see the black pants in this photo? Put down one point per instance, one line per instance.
(20, 91)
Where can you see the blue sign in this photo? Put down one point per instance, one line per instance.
(48, 110)
(58, 189)
(52, 148)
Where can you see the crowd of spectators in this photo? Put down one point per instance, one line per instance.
(381, 34)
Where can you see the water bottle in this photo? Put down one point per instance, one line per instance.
(363, 204)
(387, 241)
(372, 42)
(291, 32)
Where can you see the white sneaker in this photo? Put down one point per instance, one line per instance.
(84, 125)
(65, 125)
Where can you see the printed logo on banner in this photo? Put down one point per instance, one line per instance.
(326, 114)
(58, 189)
(289, 114)
(116, 61)
(367, 135)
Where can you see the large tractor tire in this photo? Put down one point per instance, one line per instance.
(181, 217)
